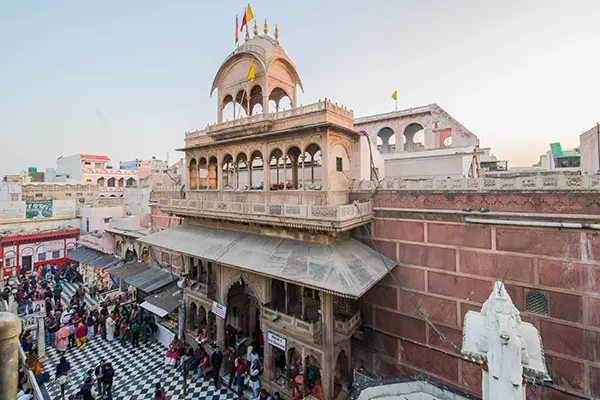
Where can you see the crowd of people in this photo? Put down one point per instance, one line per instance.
(73, 325)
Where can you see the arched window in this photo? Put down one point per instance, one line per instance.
(202, 173)
(256, 179)
(241, 172)
(312, 167)
(387, 136)
(193, 181)
(292, 160)
(228, 170)
(415, 137)
(276, 176)
(212, 173)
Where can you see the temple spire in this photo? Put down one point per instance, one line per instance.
(266, 28)
(255, 31)
(276, 32)
(247, 34)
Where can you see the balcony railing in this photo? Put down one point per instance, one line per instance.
(322, 111)
(349, 326)
(571, 181)
(292, 324)
(338, 213)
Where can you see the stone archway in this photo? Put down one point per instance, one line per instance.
(342, 377)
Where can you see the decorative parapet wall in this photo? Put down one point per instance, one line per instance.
(323, 111)
(326, 218)
(552, 181)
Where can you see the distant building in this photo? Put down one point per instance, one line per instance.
(94, 169)
(589, 148)
(35, 232)
(10, 191)
(557, 158)
(422, 142)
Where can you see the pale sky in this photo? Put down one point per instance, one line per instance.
(127, 78)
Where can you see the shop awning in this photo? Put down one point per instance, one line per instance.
(165, 301)
(143, 276)
(95, 258)
(345, 267)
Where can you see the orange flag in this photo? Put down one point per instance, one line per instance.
(237, 38)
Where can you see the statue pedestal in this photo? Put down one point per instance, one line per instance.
(508, 393)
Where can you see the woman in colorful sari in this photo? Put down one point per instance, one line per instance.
(173, 352)
(80, 339)
(62, 338)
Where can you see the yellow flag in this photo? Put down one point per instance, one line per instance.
(395, 95)
(250, 76)
(249, 14)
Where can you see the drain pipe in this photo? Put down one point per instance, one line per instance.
(541, 224)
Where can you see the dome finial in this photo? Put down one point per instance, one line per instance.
(266, 28)
(247, 34)
(276, 32)
(255, 29)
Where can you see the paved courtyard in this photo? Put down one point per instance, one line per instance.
(136, 370)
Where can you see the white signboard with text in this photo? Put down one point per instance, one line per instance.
(276, 341)
(219, 309)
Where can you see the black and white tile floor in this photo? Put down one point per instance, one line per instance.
(69, 290)
(136, 370)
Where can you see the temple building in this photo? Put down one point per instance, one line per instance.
(268, 239)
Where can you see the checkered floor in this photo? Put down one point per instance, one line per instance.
(69, 290)
(136, 372)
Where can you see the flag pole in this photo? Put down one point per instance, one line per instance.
(396, 103)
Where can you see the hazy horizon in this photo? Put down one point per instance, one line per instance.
(127, 79)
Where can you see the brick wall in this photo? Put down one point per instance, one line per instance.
(448, 267)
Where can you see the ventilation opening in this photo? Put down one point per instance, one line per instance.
(536, 302)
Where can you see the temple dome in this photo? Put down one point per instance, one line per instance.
(275, 78)
(265, 51)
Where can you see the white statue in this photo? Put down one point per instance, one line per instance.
(497, 336)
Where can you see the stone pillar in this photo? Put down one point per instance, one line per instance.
(10, 329)
(181, 321)
(269, 367)
(221, 296)
(327, 372)
(220, 109)
(41, 340)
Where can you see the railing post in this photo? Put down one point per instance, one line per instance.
(10, 329)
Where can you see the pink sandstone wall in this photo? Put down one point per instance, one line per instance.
(449, 267)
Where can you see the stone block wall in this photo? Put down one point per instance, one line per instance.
(448, 266)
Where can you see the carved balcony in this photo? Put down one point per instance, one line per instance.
(307, 330)
(322, 112)
(201, 289)
(329, 218)
(349, 326)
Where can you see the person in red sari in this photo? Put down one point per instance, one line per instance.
(173, 352)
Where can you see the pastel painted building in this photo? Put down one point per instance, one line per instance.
(94, 169)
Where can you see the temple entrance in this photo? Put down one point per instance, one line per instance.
(342, 373)
(243, 316)
(312, 378)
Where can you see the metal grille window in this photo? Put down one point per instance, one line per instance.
(56, 254)
(536, 302)
(42, 257)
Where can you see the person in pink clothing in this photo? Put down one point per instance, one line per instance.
(62, 338)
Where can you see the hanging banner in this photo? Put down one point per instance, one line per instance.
(218, 309)
(38, 209)
(276, 341)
